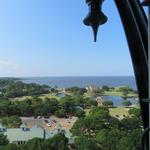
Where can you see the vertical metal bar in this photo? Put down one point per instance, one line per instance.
(142, 22)
(133, 30)
(137, 51)
(149, 63)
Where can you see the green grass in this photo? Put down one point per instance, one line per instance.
(87, 111)
(49, 95)
(43, 96)
(21, 98)
(113, 93)
(120, 111)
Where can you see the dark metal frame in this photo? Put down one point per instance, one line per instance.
(135, 25)
(136, 29)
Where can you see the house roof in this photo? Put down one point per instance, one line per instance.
(24, 134)
(23, 125)
(18, 134)
(50, 134)
(1, 126)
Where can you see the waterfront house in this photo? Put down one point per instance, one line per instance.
(23, 134)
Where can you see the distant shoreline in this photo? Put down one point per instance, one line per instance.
(82, 81)
(66, 76)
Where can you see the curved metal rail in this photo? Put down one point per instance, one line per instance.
(135, 25)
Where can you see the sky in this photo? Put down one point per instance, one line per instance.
(48, 38)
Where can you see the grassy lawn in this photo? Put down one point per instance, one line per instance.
(87, 111)
(43, 96)
(49, 95)
(119, 111)
(21, 98)
(88, 94)
(113, 93)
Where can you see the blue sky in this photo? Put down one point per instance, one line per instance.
(48, 38)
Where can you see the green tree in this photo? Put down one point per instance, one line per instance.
(125, 94)
(97, 119)
(105, 88)
(11, 122)
(79, 100)
(18, 88)
(123, 89)
(130, 123)
(9, 147)
(76, 90)
(68, 104)
(58, 142)
(84, 143)
(126, 103)
(47, 107)
(80, 113)
(106, 132)
(108, 139)
(3, 140)
(136, 112)
(108, 103)
(89, 102)
(60, 113)
(35, 144)
(22, 147)
(131, 141)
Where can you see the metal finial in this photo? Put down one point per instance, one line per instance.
(95, 30)
(95, 16)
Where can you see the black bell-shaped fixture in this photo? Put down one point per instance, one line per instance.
(95, 16)
(146, 3)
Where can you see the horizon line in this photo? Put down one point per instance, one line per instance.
(67, 76)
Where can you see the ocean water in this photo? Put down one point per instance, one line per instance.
(64, 82)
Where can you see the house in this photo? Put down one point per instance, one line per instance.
(100, 101)
(23, 134)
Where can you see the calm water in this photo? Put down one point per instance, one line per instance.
(117, 101)
(64, 82)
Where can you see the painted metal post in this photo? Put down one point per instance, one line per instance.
(149, 63)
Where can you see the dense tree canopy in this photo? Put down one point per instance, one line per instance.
(108, 103)
(45, 107)
(3, 140)
(9, 147)
(106, 132)
(58, 142)
(126, 103)
(14, 88)
(105, 88)
(76, 90)
(84, 143)
(11, 122)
